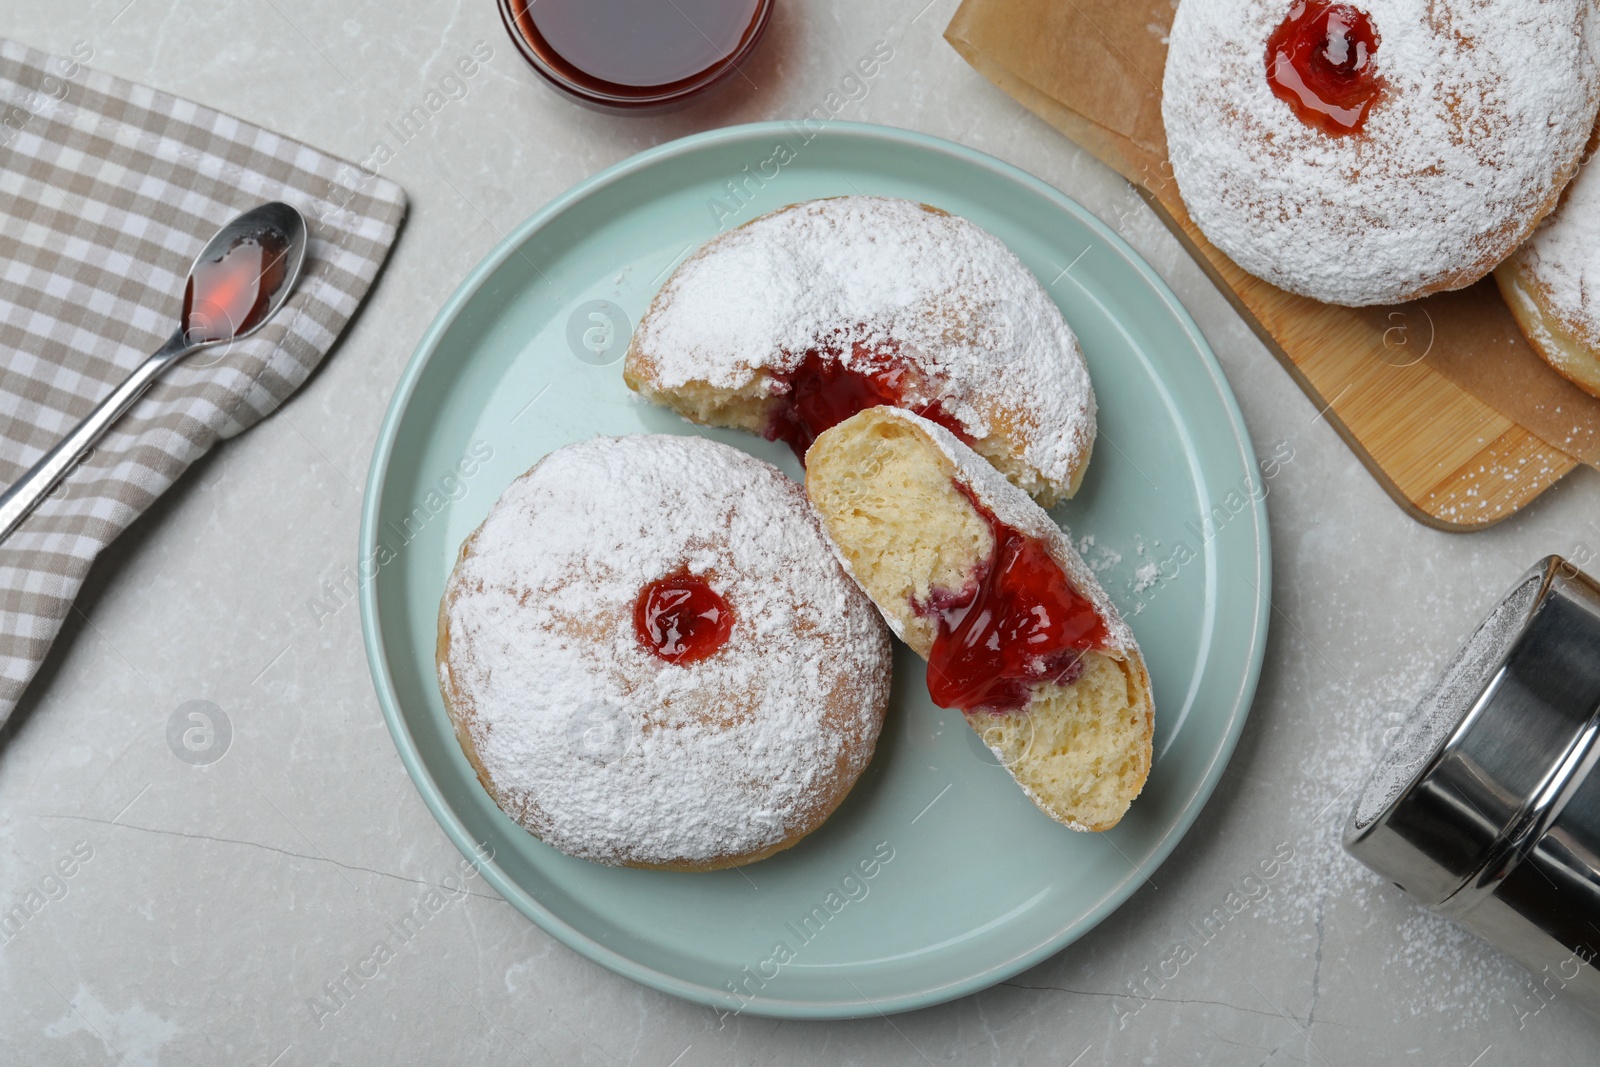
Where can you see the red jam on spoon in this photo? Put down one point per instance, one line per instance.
(1021, 623)
(228, 295)
(1320, 62)
(823, 392)
(681, 618)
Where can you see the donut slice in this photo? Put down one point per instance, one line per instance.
(652, 657)
(800, 318)
(1460, 122)
(1552, 283)
(979, 581)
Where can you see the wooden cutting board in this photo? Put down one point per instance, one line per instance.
(1381, 377)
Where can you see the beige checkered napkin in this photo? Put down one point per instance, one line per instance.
(108, 190)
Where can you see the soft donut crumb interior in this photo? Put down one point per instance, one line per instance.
(703, 403)
(1079, 750)
(893, 509)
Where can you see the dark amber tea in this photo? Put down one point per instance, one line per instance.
(635, 54)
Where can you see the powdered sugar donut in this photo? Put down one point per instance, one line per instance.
(803, 317)
(1375, 152)
(1552, 283)
(652, 657)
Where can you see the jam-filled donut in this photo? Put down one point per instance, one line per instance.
(1552, 283)
(979, 581)
(652, 657)
(1376, 151)
(800, 318)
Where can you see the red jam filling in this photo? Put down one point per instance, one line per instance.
(822, 392)
(1320, 62)
(1021, 623)
(681, 618)
(227, 296)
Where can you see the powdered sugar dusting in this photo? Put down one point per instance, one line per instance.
(889, 274)
(1562, 259)
(1146, 575)
(1099, 557)
(609, 753)
(1443, 970)
(1485, 109)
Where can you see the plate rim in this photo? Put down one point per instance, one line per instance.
(571, 936)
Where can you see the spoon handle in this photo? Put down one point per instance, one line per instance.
(23, 496)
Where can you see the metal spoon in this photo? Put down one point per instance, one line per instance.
(239, 281)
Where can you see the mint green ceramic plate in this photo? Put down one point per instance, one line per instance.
(969, 883)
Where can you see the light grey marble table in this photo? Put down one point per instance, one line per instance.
(210, 907)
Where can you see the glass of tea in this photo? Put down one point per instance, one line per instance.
(635, 55)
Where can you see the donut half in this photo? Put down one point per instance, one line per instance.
(802, 317)
(934, 535)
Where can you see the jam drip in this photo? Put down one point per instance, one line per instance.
(822, 392)
(228, 296)
(681, 618)
(1019, 624)
(1320, 61)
